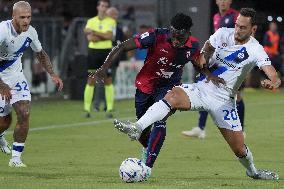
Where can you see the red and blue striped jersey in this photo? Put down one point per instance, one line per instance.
(164, 64)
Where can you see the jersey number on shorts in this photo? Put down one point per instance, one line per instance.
(2, 110)
(22, 86)
(230, 114)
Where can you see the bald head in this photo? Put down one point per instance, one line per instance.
(112, 12)
(21, 16)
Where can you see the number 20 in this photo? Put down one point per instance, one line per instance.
(230, 114)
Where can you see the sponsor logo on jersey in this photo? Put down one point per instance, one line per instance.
(238, 56)
(224, 61)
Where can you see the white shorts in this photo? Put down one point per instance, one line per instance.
(223, 112)
(20, 91)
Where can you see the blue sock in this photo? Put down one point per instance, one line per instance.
(202, 119)
(18, 148)
(241, 112)
(155, 143)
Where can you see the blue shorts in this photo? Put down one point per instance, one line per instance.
(143, 101)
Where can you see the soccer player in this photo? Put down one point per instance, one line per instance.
(234, 52)
(16, 36)
(99, 32)
(226, 17)
(169, 49)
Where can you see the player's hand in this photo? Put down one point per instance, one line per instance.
(58, 82)
(5, 91)
(215, 80)
(99, 75)
(268, 84)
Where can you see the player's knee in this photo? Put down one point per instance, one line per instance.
(6, 121)
(175, 98)
(23, 115)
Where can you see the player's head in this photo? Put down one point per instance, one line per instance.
(245, 25)
(102, 6)
(223, 5)
(180, 29)
(112, 12)
(22, 14)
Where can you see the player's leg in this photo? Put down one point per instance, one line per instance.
(177, 98)
(90, 85)
(142, 102)
(158, 133)
(5, 122)
(228, 122)
(109, 88)
(198, 131)
(22, 109)
(109, 93)
(241, 109)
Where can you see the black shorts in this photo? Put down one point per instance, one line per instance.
(96, 58)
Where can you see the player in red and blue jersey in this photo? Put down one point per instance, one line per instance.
(169, 49)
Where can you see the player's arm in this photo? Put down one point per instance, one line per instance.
(5, 90)
(202, 63)
(103, 36)
(44, 60)
(273, 81)
(115, 53)
(91, 37)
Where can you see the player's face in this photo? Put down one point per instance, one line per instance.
(178, 40)
(243, 29)
(223, 5)
(102, 7)
(22, 19)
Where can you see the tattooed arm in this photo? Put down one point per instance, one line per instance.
(44, 60)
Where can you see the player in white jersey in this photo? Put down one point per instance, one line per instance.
(16, 36)
(234, 52)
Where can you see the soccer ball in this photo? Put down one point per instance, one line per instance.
(132, 170)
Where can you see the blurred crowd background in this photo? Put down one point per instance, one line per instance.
(60, 27)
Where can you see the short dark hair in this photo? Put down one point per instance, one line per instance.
(99, 2)
(181, 21)
(249, 12)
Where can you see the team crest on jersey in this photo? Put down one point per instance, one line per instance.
(227, 20)
(188, 54)
(238, 56)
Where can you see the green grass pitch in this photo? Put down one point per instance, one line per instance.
(66, 150)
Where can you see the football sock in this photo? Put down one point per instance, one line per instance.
(156, 140)
(202, 119)
(158, 111)
(17, 150)
(247, 162)
(88, 97)
(241, 112)
(109, 93)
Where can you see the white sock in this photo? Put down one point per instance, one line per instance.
(17, 150)
(247, 162)
(156, 112)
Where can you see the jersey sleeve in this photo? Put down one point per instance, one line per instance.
(196, 52)
(3, 33)
(35, 44)
(145, 40)
(262, 58)
(215, 38)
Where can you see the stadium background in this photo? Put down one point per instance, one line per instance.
(66, 150)
(60, 28)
